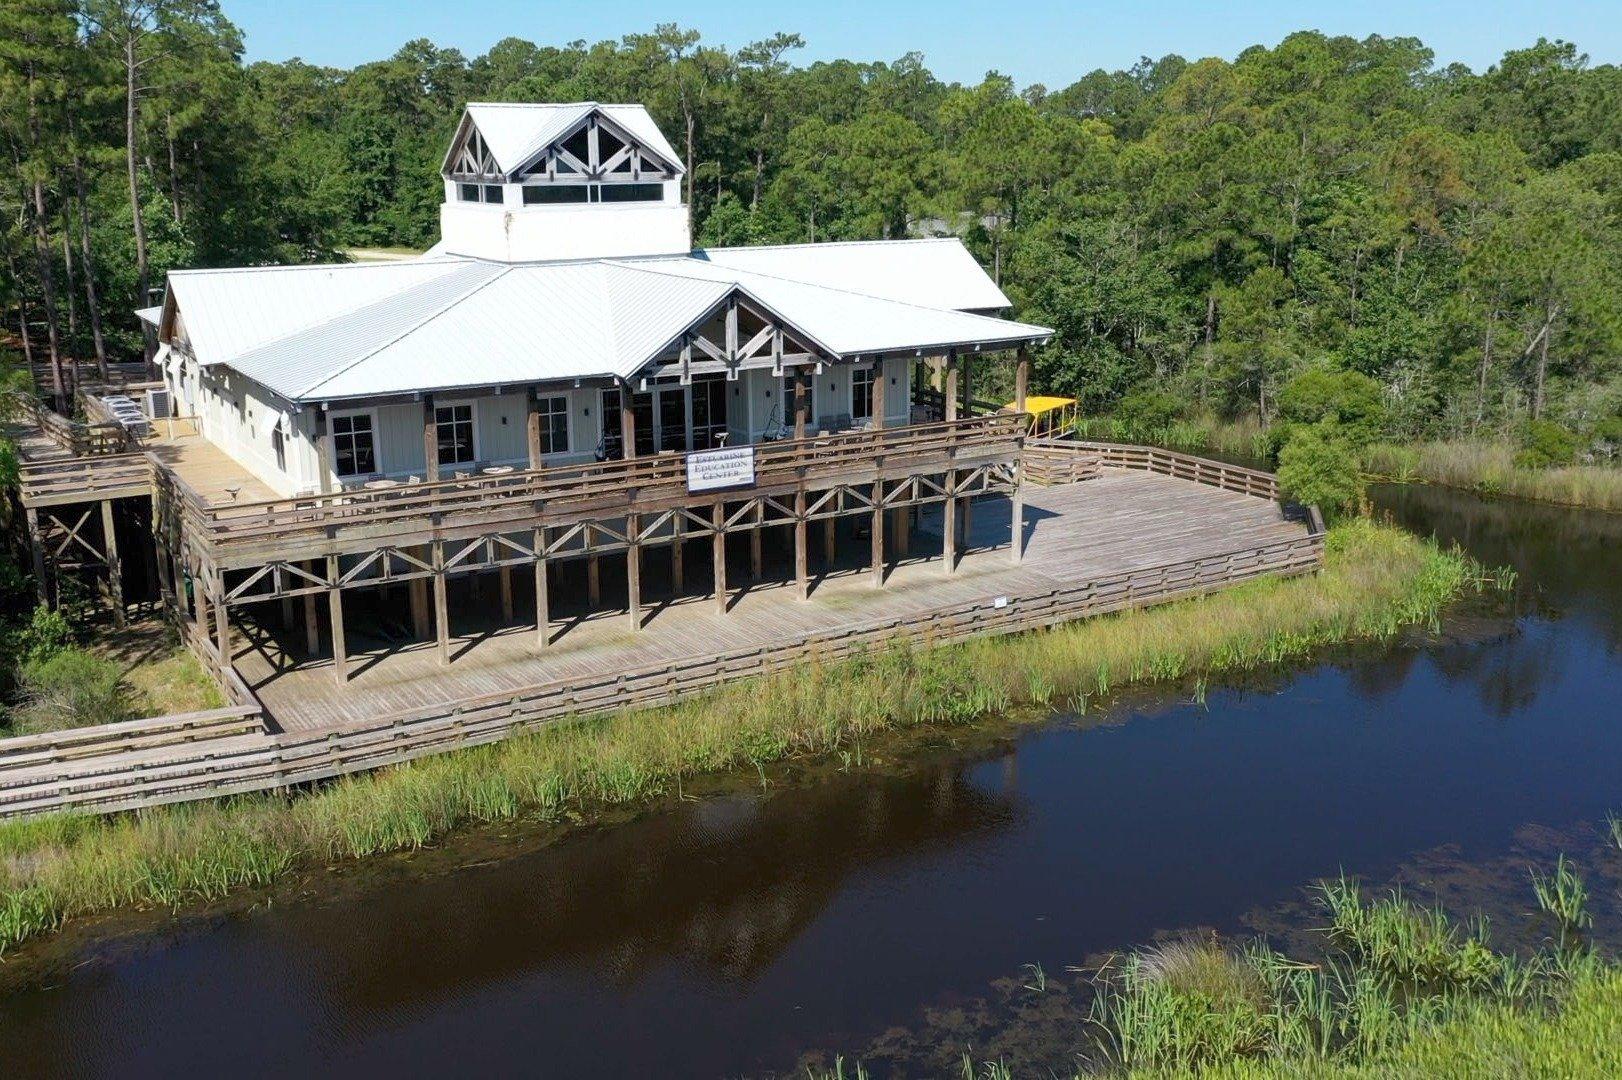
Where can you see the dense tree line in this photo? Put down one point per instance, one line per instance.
(1206, 228)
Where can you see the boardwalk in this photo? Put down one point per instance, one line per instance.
(1119, 522)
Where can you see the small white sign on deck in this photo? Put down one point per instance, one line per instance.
(730, 466)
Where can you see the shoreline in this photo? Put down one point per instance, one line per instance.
(1377, 581)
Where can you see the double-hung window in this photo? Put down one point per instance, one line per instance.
(861, 393)
(454, 426)
(553, 413)
(354, 445)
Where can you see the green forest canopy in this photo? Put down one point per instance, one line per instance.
(1202, 226)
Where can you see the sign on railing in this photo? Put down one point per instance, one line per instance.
(728, 467)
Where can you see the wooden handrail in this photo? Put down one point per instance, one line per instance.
(606, 485)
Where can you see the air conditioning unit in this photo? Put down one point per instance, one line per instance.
(158, 403)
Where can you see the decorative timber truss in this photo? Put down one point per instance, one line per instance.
(596, 149)
(738, 334)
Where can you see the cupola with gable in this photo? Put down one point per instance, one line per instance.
(582, 180)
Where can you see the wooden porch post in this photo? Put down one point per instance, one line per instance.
(115, 572)
(505, 574)
(430, 440)
(442, 615)
(1022, 381)
(633, 570)
(802, 401)
(532, 429)
(543, 607)
(718, 517)
(877, 422)
(335, 610)
(949, 508)
(417, 589)
(324, 452)
(756, 559)
(968, 411)
(828, 553)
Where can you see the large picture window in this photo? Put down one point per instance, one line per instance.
(861, 393)
(554, 420)
(709, 411)
(354, 445)
(454, 426)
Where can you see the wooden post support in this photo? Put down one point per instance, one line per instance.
(1022, 377)
(878, 533)
(442, 614)
(756, 560)
(543, 607)
(421, 622)
(678, 529)
(312, 622)
(802, 560)
(627, 423)
(506, 575)
(966, 533)
(901, 528)
(160, 550)
(36, 545)
(633, 570)
(828, 528)
(199, 600)
(430, 440)
(949, 524)
(335, 610)
(594, 582)
(878, 395)
(222, 622)
(951, 386)
(718, 516)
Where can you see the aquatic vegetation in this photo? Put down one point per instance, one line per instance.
(1491, 468)
(1377, 581)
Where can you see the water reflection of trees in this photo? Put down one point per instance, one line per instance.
(726, 883)
(1506, 676)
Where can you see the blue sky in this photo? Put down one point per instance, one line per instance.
(1049, 41)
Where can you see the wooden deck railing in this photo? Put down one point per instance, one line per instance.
(209, 768)
(76, 438)
(84, 479)
(1263, 485)
(601, 490)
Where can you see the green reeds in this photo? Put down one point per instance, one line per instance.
(1376, 581)
(1489, 467)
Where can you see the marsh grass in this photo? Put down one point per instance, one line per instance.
(1377, 580)
(1489, 467)
(1401, 992)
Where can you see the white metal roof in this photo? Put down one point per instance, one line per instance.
(376, 330)
(150, 314)
(934, 272)
(514, 132)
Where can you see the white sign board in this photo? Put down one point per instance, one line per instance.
(730, 466)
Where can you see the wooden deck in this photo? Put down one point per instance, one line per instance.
(1122, 521)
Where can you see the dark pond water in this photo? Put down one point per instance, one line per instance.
(886, 912)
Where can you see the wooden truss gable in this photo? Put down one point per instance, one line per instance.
(472, 158)
(598, 149)
(737, 334)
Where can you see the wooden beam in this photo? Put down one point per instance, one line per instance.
(594, 582)
(756, 556)
(1022, 377)
(828, 553)
(335, 611)
(950, 392)
(430, 440)
(421, 621)
(949, 524)
(442, 614)
(1017, 514)
(633, 571)
(506, 575)
(878, 395)
(115, 571)
(543, 607)
(222, 622)
(718, 521)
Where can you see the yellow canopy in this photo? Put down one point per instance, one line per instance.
(1036, 406)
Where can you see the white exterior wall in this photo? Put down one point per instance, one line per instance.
(830, 399)
(513, 232)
